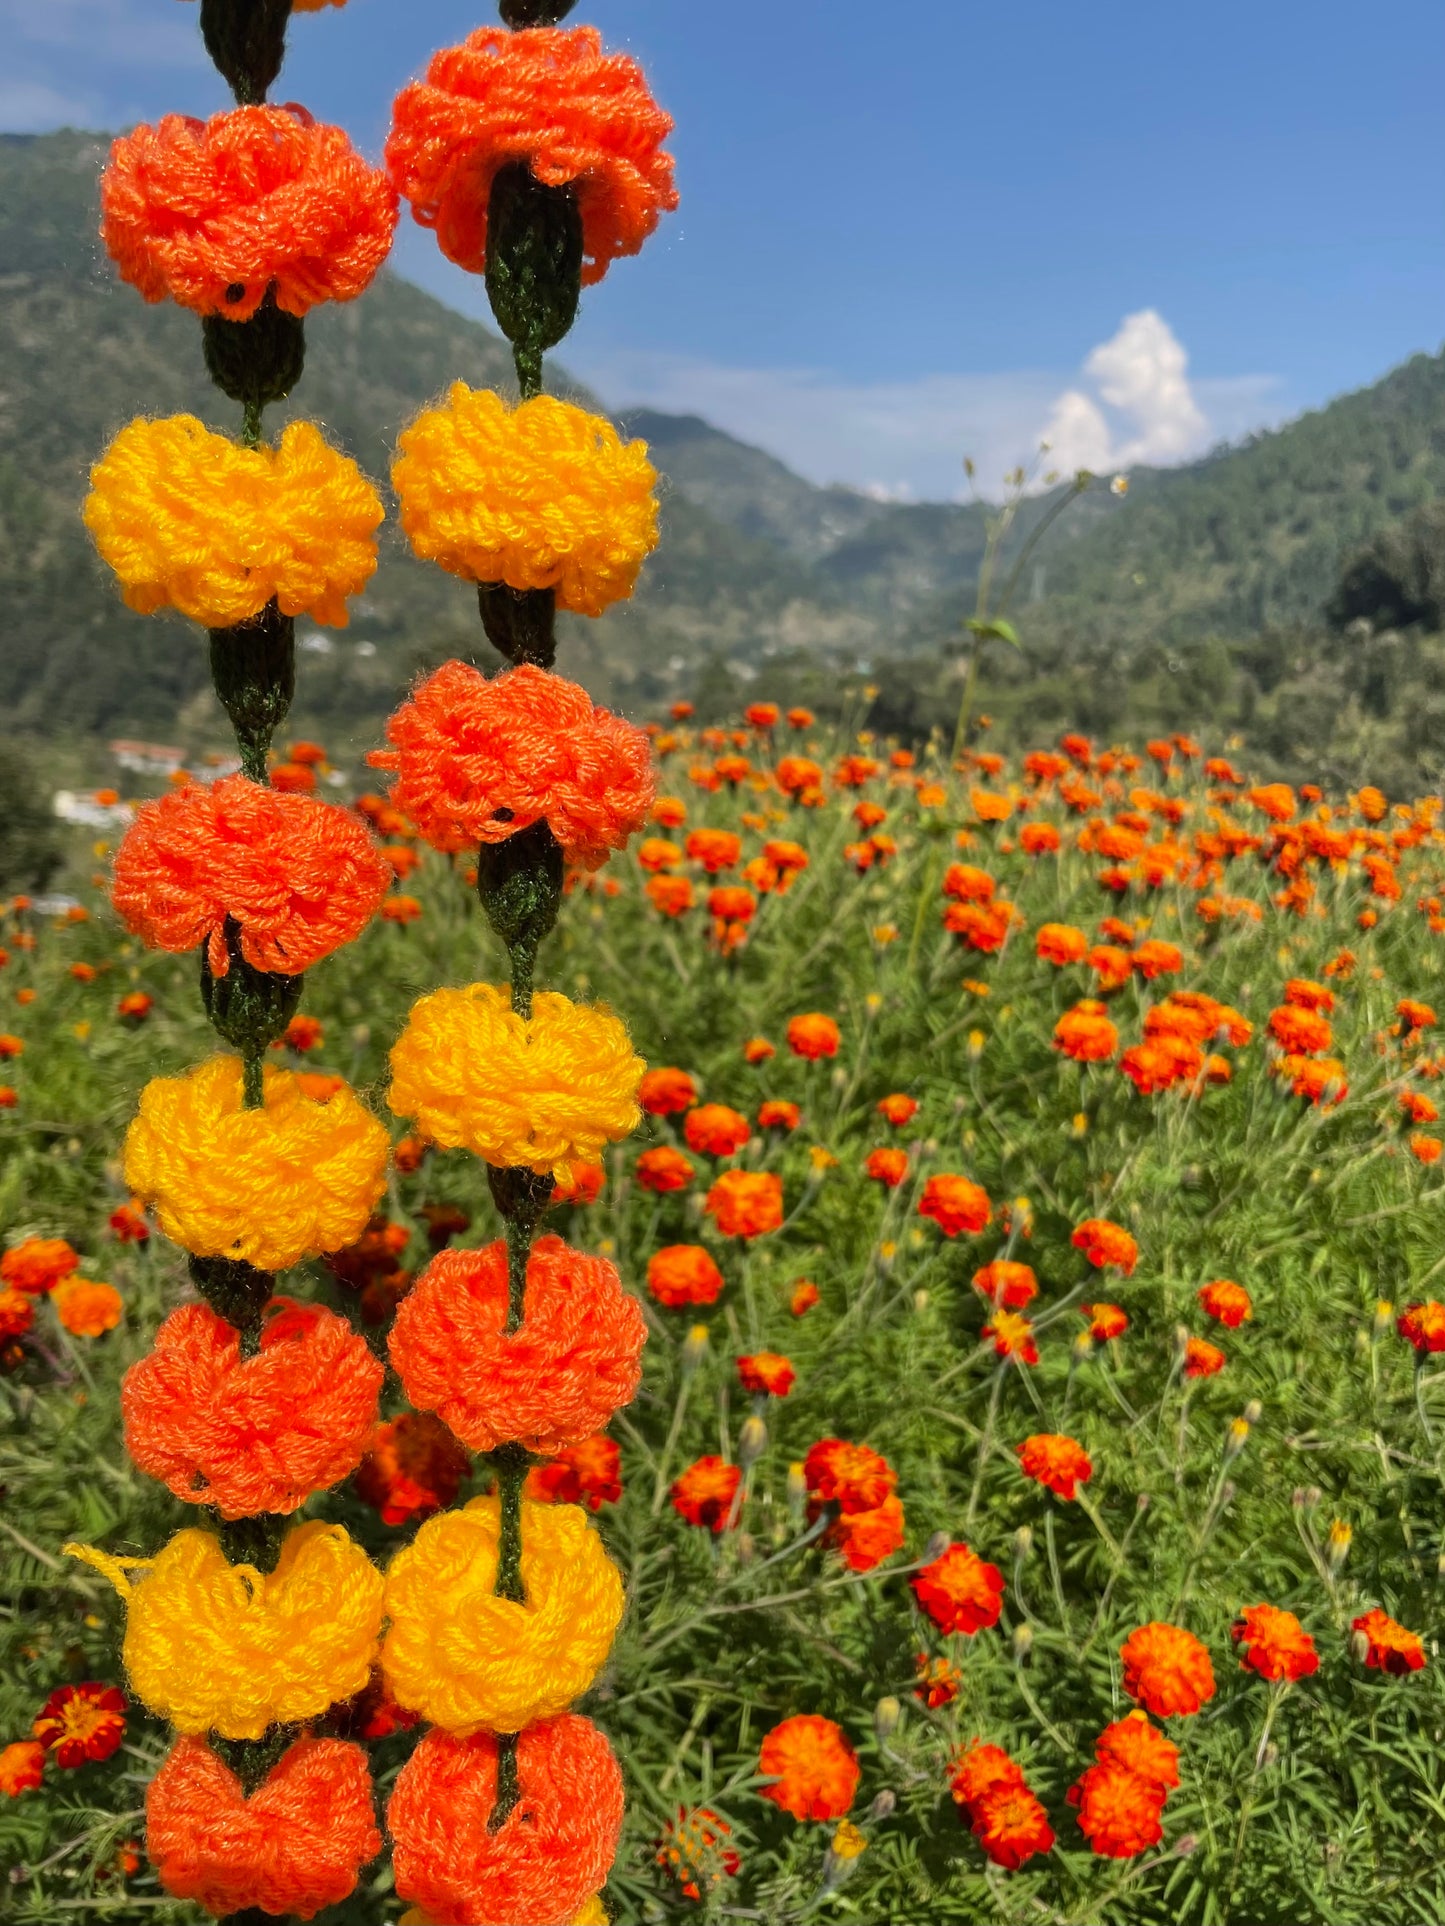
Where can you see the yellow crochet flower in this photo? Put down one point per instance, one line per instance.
(226, 1648)
(543, 1093)
(269, 1186)
(190, 520)
(469, 1661)
(540, 496)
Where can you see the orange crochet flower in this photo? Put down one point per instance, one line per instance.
(477, 759)
(1389, 1647)
(296, 1844)
(1006, 1283)
(574, 1359)
(298, 877)
(960, 1591)
(1137, 1746)
(1086, 1034)
(667, 1092)
(555, 1848)
(663, 1169)
(1119, 1811)
(815, 1769)
(852, 1476)
(956, 1204)
(81, 1722)
(1107, 1246)
(37, 1264)
(813, 1036)
(746, 1203)
(1274, 1643)
(549, 97)
(1059, 1463)
(1227, 1302)
(704, 1494)
(766, 1374)
(683, 1274)
(1166, 1669)
(715, 1130)
(257, 1433)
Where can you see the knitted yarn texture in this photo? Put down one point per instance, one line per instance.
(469, 1660)
(544, 495)
(547, 96)
(298, 877)
(190, 520)
(540, 1093)
(218, 1647)
(539, 1867)
(478, 759)
(269, 1186)
(574, 1360)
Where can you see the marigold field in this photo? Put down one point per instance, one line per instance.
(1031, 1511)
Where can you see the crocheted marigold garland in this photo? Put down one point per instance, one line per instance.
(478, 759)
(190, 520)
(546, 96)
(554, 1849)
(226, 1648)
(469, 1660)
(297, 876)
(215, 213)
(573, 1361)
(542, 1093)
(268, 1186)
(252, 1434)
(544, 495)
(295, 1845)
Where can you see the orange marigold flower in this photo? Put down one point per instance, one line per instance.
(1011, 1825)
(295, 778)
(1106, 1245)
(304, 1033)
(1423, 1325)
(804, 1297)
(766, 1374)
(588, 1473)
(86, 1309)
(1305, 994)
(758, 1050)
(979, 1770)
(715, 1130)
(762, 715)
(956, 1204)
(1274, 1643)
(1013, 1336)
(1417, 1016)
(414, 1466)
(865, 1538)
(135, 1006)
(670, 895)
(797, 776)
(938, 1681)
(17, 1314)
(1110, 964)
(1007, 1282)
(1301, 1032)
(37, 1264)
(683, 1274)
(581, 1186)
(81, 1722)
(1059, 1463)
(1106, 1321)
(813, 1036)
(1202, 1359)
(1418, 1107)
(1137, 1746)
(732, 905)
(548, 99)
(980, 926)
(715, 849)
(1086, 1034)
(663, 1169)
(960, 1592)
(801, 718)
(852, 1476)
(965, 884)
(1390, 1648)
(1227, 1302)
(666, 1092)
(478, 759)
(778, 1114)
(1154, 959)
(788, 858)
(1166, 1669)
(1039, 839)
(898, 1108)
(22, 1767)
(1162, 1062)
(887, 1166)
(704, 1494)
(655, 853)
(1060, 944)
(1119, 1812)
(814, 1767)
(746, 1203)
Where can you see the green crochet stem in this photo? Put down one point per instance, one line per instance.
(246, 40)
(236, 1291)
(534, 266)
(521, 624)
(255, 362)
(253, 667)
(535, 13)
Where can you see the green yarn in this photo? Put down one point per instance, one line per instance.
(236, 1291)
(249, 1009)
(534, 266)
(534, 13)
(520, 884)
(253, 667)
(521, 624)
(258, 361)
(247, 41)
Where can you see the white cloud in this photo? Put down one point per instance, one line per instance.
(1142, 375)
(32, 107)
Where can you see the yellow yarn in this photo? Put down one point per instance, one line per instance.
(469, 1661)
(191, 520)
(271, 1185)
(226, 1648)
(540, 496)
(544, 1093)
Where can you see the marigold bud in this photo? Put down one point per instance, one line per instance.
(920, 1300)
(884, 1805)
(887, 1716)
(797, 1488)
(1339, 1543)
(1023, 1542)
(935, 1548)
(1082, 1349)
(1359, 1647)
(1023, 1642)
(1253, 1411)
(752, 1441)
(1236, 1438)
(694, 1347)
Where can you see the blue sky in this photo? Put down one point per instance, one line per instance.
(911, 232)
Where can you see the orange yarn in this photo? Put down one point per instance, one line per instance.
(547, 96)
(213, 213)
(295, 1845)
(252, 1434)
(299, 877)
(553, 1852)
(574, 1360)
(479, 759)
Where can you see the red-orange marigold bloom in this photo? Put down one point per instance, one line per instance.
(683, 1274)
(864, 1539)
(87, 1309)
(813, 1036)
(1418, 1107)
(586, 1473)
(1119, 1811)
(294, 1844)
(478, 759)
(17, 1314)
(1305, 994)
(938, 1681)
(10, 1046)
(1060, 944)
(758, 1050)
(732, 904)
(663, 1169)
(766, 1373)
(1300, 1031)
(1391, 1648)
(1136, 1745)
(1415, 1015)
(22, 1767)
(573, 1361)
(296, 778)
(1161, 1062)
(1007, 1282)
(960, 1591)
(1011, 1825)
(762, 715)
(816, 1771)
(746, 1203)
(1110, 964)
(254, 1433)
(1202, 1359)
(797, 775)
(218, 213)
(413, 1466)
(804, 1297)
(1426, 1150)
(670, 895)
(298, 877)
(898, 1108)
(1227, 1302)
(704, 1494)
(655, 853)
(1106, 1321)
(1107, 1246)
(715, 1130)
(667, 1092)
(887, 1166)
(1086, 1034)
(81, 1722)
(1423, 1325)
(956, 1204)
(1013, 1336)
(777, 1113)
(1154, 959)
(979, 1770)
(1322, 1081)
(1166, 1669)
(1059, 1463)
(37, 1264)
(966, 884)
(135, 1005)
(1039, 839)
(1274, 1643)
(548, 98)
(715, 849)
(852, 1476)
